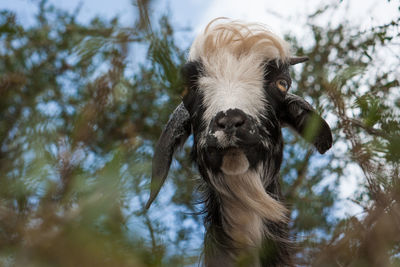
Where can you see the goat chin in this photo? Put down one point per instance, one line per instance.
(234, 162)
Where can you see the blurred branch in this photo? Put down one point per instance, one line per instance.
(144, 19)
(369, 130)
(301, 174)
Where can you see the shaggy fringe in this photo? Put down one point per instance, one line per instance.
(239, 39)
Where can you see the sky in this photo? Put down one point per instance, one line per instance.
(281, 16)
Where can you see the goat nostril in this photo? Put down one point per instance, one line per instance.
(239, 123)
(221, 123)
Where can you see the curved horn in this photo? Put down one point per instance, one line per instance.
(174, 134)
(297, 60)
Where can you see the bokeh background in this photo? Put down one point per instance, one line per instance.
(86, 87)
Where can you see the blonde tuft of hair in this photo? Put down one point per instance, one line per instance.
(223, 35)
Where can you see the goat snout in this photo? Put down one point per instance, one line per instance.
(232, 128)
(230, 121)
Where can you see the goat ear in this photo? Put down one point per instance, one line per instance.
(174, 135)
(301, 116)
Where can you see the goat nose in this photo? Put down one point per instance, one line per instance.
(231, 120)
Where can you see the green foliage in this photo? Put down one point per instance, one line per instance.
(78, 125)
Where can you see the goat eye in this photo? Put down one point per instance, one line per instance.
(282, 84)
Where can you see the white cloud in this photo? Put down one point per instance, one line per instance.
(291, 15)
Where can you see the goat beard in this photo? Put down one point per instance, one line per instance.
(245, 203)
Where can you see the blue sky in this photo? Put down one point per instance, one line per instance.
(26, 8)
(281, 16)
(185, 13)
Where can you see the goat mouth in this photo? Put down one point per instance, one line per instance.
(234, 162)
(231, 143)
(225, 140)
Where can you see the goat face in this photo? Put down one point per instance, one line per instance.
(236, 112)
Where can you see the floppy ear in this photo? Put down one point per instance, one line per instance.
(300, 115)
(174, 135)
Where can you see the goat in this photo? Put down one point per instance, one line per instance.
(235, 103)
